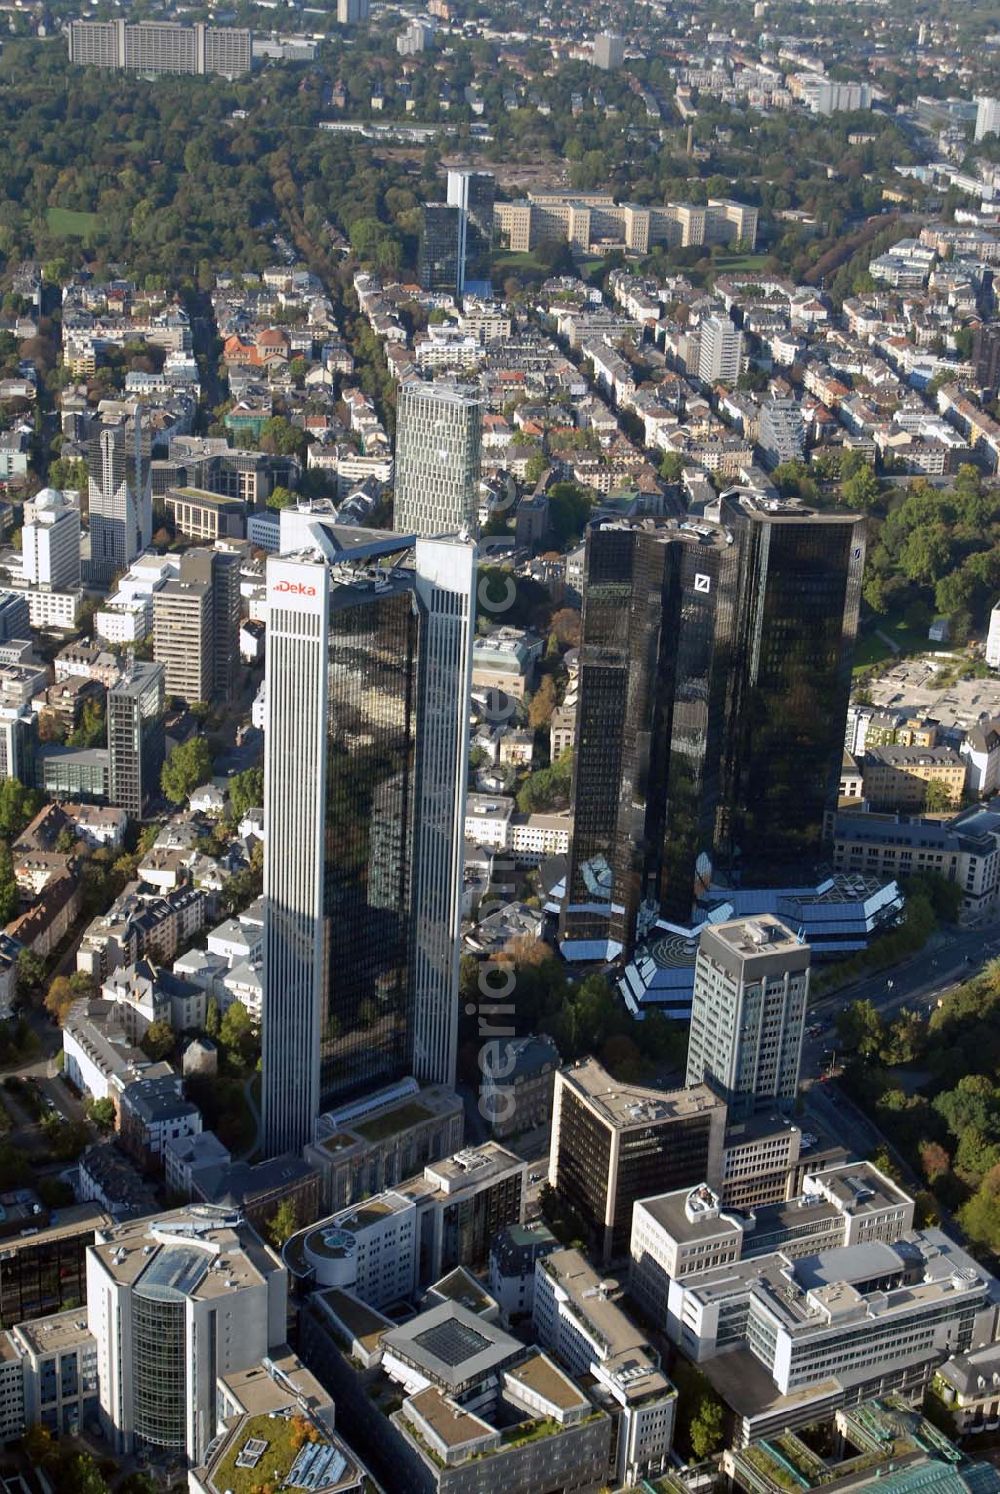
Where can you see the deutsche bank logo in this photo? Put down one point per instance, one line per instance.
(702, 583)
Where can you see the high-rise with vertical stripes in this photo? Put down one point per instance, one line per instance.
(368, 673)
(438, 458)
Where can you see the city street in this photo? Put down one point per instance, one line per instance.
(950, 958)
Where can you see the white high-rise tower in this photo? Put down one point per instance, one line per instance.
(751, 985)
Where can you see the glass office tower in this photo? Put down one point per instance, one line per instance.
(438, 253)
(368, 673)
(715, 669)
(473, 193)
(658, 614)
(800, 590)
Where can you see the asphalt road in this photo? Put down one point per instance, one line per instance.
(950, 958)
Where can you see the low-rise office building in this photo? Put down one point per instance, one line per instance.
(478, 1410)
(964, 850)
(575, 1317)
(387, 1247)
(375, 1143)
(908, 777)
(787, 1341)
(682, 1233)
(43, 1268)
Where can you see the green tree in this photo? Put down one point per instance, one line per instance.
(861, 1029)
(280, 497)
(535, 467)
(246, 791)
(213, 1020)
(65, 1139)
(10, 897)
(17, 806)
(861, 490)
(569, 510)
(283, 1223)
(980, 1215)
(237, 1036)
(92, 730)
(30, 970)
(188, 766)
(926, 554)
(671, 466)
(707, 1428)
(102, 1114)
(937, 798)
(158, 1041)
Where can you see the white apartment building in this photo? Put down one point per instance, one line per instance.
(720, 354)
(54, 609)
(175, 1301)
(534, 837)
(124, 622)
(50, 542)
(987, 118)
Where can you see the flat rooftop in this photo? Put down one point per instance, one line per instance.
(259, 1392)
(77, 1219)
(624, 1105)
(361, 1322)
(461, 1286)
(628, 1356)
(200, 1252)
(451, 1346)
(54, 1335)
(453, 1425)
(680, 1215)
(762, 935)
(539, 1374)
(262, 1451)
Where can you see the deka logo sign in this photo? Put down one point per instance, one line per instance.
(297, 588)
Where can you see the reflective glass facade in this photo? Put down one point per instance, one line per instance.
(366, 758)
(159, 1369)
(715, 670)
(439, 247)
(371, 741)
(654, 683)
(800, 590)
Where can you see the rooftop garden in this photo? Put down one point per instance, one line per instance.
(284, 1436)
(379, 1127)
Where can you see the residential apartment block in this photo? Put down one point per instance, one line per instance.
(160, 47)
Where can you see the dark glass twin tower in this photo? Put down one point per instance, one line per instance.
(366, 748)
(715, 672)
